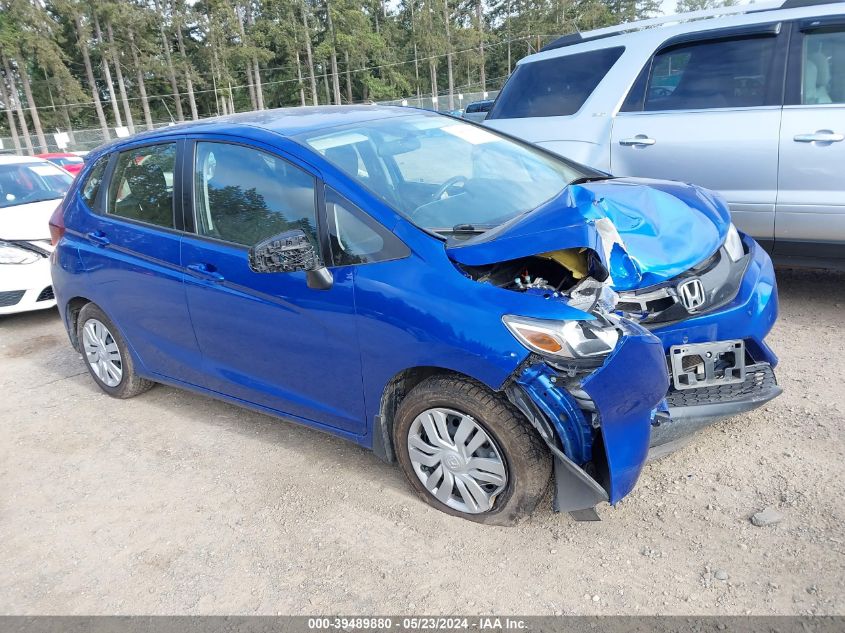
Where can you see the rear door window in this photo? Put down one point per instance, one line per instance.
(554, 87)
(730, 73)
(142, 185)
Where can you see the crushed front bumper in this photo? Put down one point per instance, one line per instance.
(596, 424)
(748, 317)
(693, 409)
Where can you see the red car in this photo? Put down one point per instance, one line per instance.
(69, 162)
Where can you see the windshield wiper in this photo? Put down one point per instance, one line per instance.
(458, 229)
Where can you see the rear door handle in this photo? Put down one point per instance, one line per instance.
(99, 238)
(640, 140)
(206, 271)
(821, 136)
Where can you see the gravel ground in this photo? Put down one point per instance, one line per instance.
(175, 503)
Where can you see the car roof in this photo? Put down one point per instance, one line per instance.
(56, 155)
(282, 121)
(653, 32)
(16, 159)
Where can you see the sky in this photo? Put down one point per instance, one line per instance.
(668, 7)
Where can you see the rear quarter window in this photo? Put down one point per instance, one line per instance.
(554, 87)
(93, 181)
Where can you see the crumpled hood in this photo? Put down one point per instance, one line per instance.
(27, 221)
(646, 231)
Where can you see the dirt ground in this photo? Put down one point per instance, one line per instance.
(175, 503)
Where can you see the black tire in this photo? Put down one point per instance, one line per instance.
(528, 460)
(131, 384)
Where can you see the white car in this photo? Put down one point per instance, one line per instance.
(30, 190)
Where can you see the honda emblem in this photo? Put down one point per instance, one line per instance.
(691, 293)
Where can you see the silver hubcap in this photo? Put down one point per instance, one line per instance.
(102, 352)
(456, 460)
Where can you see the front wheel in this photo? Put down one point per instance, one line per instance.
(468, 452)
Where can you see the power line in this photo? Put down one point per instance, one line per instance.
(295, 80)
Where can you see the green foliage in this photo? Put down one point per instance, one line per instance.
(383, 49)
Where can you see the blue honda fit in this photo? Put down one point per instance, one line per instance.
(479, 310)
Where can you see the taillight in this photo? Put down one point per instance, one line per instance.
(57, 223)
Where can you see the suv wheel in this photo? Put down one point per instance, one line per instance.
(106, 355)
(468, 452)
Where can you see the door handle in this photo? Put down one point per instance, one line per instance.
(821, 136)
(99, 238)
(206, 271)
(640, 140)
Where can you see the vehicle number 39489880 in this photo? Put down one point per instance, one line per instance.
(381, 624)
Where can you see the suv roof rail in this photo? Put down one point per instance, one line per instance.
(575, 38)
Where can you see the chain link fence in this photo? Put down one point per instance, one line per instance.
(88, 139)
(74, 140)
(460, 101)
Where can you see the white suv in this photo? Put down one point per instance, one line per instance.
(749, 101)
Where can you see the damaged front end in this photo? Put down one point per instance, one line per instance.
(595, 414)
(663, 280)
(592, 387)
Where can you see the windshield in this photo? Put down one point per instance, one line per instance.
(32, 182)
(64, 161)
(445, 175)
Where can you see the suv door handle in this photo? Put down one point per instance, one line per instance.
(206, 271)
(640, 140)
(99, 238)
(821, 136)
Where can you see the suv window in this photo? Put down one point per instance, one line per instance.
(244, 195)
(554, 87)
(823, 67)
(480, 106)
(355, 237)
(94, 180)
(142, 185)
(712, 74)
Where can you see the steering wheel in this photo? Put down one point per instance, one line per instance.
(442, 189)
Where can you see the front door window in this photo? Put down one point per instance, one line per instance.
(243, 195)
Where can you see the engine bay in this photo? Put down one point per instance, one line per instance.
(577, 275)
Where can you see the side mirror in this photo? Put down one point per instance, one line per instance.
(290, 252)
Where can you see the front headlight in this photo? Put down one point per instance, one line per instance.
(563, 339)
(733, 244)
(11, 254)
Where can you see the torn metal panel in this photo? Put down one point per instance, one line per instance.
(575, 490)
(626, 414)
(572, 428)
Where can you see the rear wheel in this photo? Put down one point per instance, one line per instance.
(106, 355)
(468, 452)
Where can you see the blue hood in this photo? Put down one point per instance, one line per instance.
(645, 231)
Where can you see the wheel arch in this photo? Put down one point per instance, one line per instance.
(72, 309)
(392, 394)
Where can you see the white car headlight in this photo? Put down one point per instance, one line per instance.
(11, 254)
(563, 339)
(733, 244)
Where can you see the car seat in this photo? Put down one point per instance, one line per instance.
(149, 199)
(816, 78)
(345, 158)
